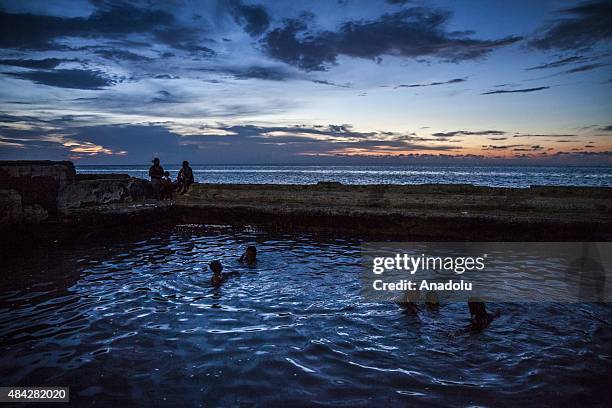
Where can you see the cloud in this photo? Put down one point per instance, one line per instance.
(322, 82)
(584, 68)
(500, 147)
(544, 135)
(581, 27)
(525, 90)
(184, 38)
(66, 78)
(606, 129)
(47, 63)
(559, 63)
(31, 31)
(115, 54)
(450, 81)
(411, 33)
(469, 133)
(271, 73)
(254, 19)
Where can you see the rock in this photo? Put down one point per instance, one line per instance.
(10, 207)
(34, 214)
(37, 182)
(88, 193)
(96, 176)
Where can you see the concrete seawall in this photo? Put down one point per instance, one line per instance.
(48, 200)
(447, 212)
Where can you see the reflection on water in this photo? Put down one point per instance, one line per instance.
(497, 176)
(139, 322)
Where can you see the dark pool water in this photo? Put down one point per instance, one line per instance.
(138, 323)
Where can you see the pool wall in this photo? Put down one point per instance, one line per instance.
(45, 199)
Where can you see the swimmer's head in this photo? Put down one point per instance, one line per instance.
(216, 267)
(477, 307)
(250, 254)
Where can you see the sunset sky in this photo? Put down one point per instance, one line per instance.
(237, 81)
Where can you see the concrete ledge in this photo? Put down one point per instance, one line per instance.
(49, 193)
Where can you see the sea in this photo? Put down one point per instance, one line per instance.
(493, 176)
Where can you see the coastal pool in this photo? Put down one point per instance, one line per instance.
(138, 323)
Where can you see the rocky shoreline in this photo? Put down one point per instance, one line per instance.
(49, 201)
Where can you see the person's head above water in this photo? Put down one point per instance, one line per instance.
(477, 307)
(250, 255)
(166, 173)
(216, 267)
(155, 160)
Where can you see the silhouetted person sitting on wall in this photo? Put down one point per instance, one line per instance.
(250, 256)
(167, 187)
(479, 317)
(218, 277)
(185, 178)
(156, 172)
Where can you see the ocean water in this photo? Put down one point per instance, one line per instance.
(137, 323)
(496, 176)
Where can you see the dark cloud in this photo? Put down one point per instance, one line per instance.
(606, 129)
(451, 81)
(165, 97)
(118, 55)
(469, 133)
(184, 38)
(318, 81)
(584, 68)
(32, 31)
(47, 63)
(410, 33)
(66, 78)
(525, 90)
(254, 19)
(543, 135)
(580, 27)
(259, 72)
(497, 138)
(500, 147)
(166, 76)
(559, 63)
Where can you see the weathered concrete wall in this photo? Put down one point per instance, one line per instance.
(436, 212)
(32, 192)
(87, 193)
(426, 200)
(29, 189)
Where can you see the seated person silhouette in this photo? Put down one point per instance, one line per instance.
(479, 317)
(185, 178)
(249, 256)
(167, 187)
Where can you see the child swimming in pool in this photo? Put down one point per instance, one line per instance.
(479, 317)
(218, 276)
(250, 256)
